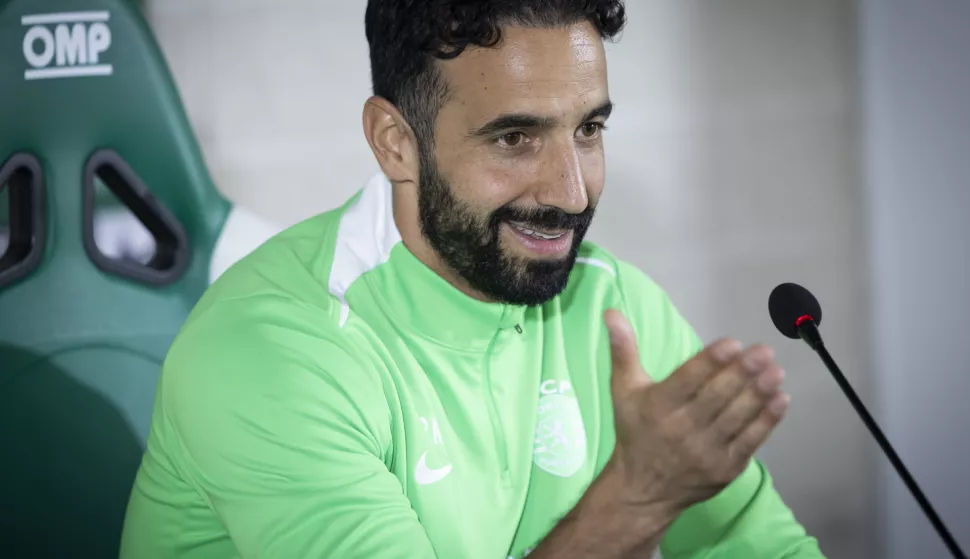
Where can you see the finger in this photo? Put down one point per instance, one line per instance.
(625, 357)
(683, 385)
(722, 388)
(750, 440)
(749, 403)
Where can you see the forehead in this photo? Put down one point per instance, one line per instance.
(548, 72)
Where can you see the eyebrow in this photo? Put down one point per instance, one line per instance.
(520, 120)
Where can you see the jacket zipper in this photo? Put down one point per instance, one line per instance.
(493, 414)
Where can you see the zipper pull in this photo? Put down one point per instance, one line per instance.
(518, 328)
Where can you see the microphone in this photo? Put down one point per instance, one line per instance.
(796, 313)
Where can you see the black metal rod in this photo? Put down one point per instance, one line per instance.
(894, 459)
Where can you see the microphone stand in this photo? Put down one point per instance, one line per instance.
(808, 331)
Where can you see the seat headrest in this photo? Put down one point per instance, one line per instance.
(86, 79)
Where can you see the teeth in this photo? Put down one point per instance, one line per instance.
(537, 234)
(548, 237)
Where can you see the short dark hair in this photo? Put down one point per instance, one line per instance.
(406, 36)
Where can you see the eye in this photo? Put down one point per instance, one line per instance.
(591, 130)
(511, 139)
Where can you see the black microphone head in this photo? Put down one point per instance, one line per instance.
(789, 304)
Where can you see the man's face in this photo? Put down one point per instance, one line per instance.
(518, 165)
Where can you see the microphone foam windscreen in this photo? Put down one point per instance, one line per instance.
(787, 303)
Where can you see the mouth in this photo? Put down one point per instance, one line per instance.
(543, 242)
(543, 235)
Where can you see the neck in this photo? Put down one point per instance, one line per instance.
(408, 223)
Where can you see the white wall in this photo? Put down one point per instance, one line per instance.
(274, 90)
(916, 59)
(733, 166)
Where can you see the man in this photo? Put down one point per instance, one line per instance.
(425, 371)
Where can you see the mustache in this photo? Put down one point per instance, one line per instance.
(544, 217)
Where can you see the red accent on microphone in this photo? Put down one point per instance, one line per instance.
(803, 318)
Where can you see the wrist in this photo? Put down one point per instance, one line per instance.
(616, 489)
(633, 524)
(607, 524)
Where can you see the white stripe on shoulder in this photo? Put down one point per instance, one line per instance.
(596, 262)
(366, 235)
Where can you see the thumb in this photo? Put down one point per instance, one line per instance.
(623, 351)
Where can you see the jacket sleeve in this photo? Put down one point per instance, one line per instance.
(746, 520)
(284, 433)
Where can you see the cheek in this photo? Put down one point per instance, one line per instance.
(489, 183)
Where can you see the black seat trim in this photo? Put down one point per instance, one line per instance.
(23, 177)
(172, 251)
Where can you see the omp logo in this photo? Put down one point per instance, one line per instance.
(66, 45)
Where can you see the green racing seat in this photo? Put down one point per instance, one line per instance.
(108, 222)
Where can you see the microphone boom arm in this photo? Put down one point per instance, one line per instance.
(808, 331)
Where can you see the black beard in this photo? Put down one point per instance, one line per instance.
(469, 243)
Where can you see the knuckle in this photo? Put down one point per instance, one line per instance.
(725, 429)
(723, 350)
(765, 351)
(723, 389)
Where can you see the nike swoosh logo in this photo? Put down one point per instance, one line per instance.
(425, 475)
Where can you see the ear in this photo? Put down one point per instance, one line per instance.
(392, 140)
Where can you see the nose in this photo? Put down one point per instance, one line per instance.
(563, 184)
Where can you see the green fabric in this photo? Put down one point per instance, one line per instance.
(80, 349)
(308, 410)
